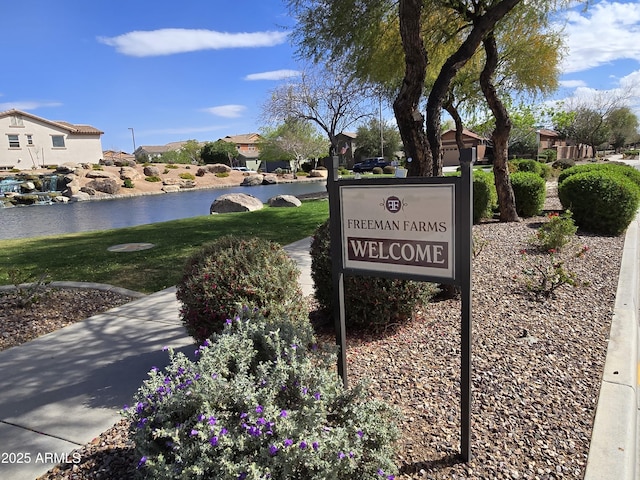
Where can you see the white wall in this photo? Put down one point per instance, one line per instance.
(85, 148)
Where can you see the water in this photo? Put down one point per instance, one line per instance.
(59, 218)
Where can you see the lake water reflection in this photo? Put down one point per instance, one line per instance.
(39, 220)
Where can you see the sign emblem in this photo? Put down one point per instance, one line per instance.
(393, 204)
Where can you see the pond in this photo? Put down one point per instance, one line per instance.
(55, 219)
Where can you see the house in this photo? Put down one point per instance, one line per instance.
(151, 151)
(118, 156)
(550, 140)
(450, 153)
(247, 145)
(35, 142)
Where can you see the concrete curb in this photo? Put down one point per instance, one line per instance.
(612, 452)
(86, 285)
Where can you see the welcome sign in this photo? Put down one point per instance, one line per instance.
(408, 229)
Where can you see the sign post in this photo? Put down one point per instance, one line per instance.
(416, 228)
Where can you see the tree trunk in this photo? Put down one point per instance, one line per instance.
(457, 120)
(407, 103)
(500, 136)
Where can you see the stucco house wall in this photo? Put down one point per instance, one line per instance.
(28, 141)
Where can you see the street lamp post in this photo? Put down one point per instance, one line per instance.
(133, 137)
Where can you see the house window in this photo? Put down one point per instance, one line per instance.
(29, 139)
(14, 141)
(16, 121)
(58, 141)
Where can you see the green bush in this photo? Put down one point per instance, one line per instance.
(530, 191)
(556, 232)
(153, 178)
(549, 155)
(533, 166)
(563, 164)
(369, 301)
(612, 168)
(187, 176)
(231, 273)
(485, 198)
(258, 404)
(377, 171)
(222, 174)
(601, 201)
(389, 169)
(128, 183)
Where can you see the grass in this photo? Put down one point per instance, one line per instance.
(83, 257)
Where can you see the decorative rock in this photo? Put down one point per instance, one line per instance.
(252, 180)
(235, 202)
(151, 171)
(171, 188)
(89, 190)
(99, 174)
(129, 173)
(187, 184)
(270, 179)
(171, 181)
(59, 199)
(79, 197)
(28, 186)
(284, 201)
(218, 168)
(66, 168)
(319, 173)
(105, 185)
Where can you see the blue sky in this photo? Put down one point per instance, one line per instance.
(203, 68)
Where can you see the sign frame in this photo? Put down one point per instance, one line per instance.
(461, 272)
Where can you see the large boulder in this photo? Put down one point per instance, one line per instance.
(66, 168)
(284, 201)
(100, 174)
(79, 197)
(218, 168)
(270, 179)
(171, 188)
(151, 171)
(235, 202)
(252, 180)
(319, 173)
(104, 185)
(129, 173)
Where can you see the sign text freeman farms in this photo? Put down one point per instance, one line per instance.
(408, 230)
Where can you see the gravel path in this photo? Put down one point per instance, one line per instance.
(537, 366)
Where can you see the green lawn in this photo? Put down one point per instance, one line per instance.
(83, 257)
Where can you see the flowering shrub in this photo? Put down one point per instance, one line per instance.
(545, 273)
(556, 233)
(229, 273)
(368, 300)
(256, 404)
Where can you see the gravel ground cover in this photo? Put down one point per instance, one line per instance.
(537, 367)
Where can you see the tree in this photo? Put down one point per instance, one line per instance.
(370, 136)
(294, 140)
(623, 125)
(219, 151)
(329, 96)
(190, 152)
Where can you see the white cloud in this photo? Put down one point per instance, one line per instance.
(170, 41)
(227, 111)
(273, 75)
(601, 35)
(572, 83)
(27, 105)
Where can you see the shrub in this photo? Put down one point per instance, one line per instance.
(530, 191)
(556, 232)
(485, 198)
(153, 178)
(96, 166)
(369, 301)
(222, 174)
(611, 168)
(549, 155)
(601, 201)
(541, 169)
(128, 183)
(257, 404)
(301, 173)
(231, 273)
(563, 164)
(187, 176)
(171, 165)
(377, 171)
(388, 169)
(631, 154)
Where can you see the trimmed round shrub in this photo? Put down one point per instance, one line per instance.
(611, 168)
(530, 191)
(258, 404)
(187, 176)
(368, 300)
(485, 198)
(601, 201)
(533, 166)
(377, 171)
(232, 273)
(563, 164)
(389, 169)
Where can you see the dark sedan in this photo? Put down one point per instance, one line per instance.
(368, 164)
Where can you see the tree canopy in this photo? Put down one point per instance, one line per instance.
(219, 151)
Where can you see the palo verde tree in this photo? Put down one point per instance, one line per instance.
(329, 96)
(295, 140)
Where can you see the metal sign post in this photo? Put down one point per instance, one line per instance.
(416, 228)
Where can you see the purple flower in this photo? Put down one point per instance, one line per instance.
(360, 433)
(165, 348)
(228, 321)
(351, 454)
(242, 476)
(288, 442)
(303, 445)
(316, 395)
(259, 409)
(273, 450)
(142, 461)
(315, 445)
(193, 432)
(283, 413)
(212, 421)
(341, 455)
(304, 390)
(224, 431)
(214, 441)
(125, 407)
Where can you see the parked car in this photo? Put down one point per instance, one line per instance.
(243, 169)
(368, 164)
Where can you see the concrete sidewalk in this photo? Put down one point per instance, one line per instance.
(64, 389)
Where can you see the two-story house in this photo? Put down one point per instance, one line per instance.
(28, 141)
